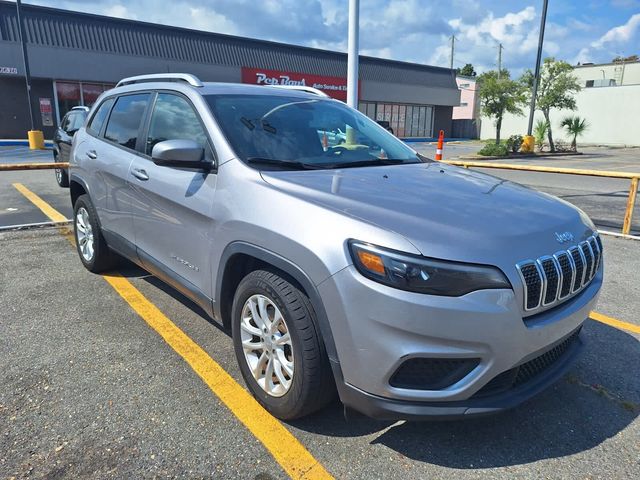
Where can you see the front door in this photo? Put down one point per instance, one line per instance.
(172, 206)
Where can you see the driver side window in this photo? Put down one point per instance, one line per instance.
(174, 118)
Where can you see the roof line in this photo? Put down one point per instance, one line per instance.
(28, 6)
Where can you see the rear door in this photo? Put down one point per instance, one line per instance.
(112, 153)
(62, 138)
(172, 206)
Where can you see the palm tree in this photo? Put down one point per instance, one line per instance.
(539, 132)
(575, 126)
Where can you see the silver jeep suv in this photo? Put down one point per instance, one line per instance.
(341, 260)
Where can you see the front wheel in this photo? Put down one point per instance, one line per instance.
(278, 348)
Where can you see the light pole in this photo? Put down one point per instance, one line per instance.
(543, 21)
(352, 53)
(25, 59)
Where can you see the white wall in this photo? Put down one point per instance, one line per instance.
(611, 112)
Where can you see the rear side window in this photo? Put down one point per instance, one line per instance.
(76, 120)
(173, 118)
(100, 116)
(65, 122)
(124, 121)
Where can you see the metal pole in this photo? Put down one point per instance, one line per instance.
(543, 22)
(500, 47)
(352, 54)
(453, 43)
(25, 59)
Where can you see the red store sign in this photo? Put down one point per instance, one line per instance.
(335, 87)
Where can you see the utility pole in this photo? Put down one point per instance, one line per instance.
(352, 55)
(25, 59)
(536, 80)
(453, 47)
(500, 47)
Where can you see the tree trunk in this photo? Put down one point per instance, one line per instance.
(498, 127)
(552, 147)
(574, 143)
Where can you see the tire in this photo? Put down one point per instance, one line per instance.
(62, 174)
(311, 384)
(93, 252)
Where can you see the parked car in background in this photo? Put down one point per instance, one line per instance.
(70, 124)
(386, 125)
(411, 287)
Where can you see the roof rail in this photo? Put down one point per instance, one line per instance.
(303, 88)
(162, 77)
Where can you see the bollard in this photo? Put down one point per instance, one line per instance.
(528, 144)
(36, 140)
(440, 145)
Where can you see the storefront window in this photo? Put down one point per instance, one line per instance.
(405, 120)
(91, 92)
(72, 94)
(68, 94)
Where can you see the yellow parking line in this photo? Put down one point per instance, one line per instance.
(292, 456)
(285, 448)
(614, 322)
(47, 209)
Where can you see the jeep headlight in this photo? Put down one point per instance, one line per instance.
(424, 275)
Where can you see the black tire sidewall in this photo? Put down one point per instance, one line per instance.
(64, 175)
(288, 405)
(100, 250)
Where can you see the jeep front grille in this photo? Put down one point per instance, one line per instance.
(551, 279)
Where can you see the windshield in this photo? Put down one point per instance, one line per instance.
(293, 132)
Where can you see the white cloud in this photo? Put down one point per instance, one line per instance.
(209, 20)
(477, 42)
(611, 41)
(619, 34)
(119, 11)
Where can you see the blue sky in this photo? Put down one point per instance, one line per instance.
(409, 30)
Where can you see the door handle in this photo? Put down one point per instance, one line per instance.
(92, 154)
(140, 174)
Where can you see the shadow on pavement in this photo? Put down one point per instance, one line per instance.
(131, 270)
(569, 418)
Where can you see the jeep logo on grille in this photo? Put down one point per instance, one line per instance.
(564, 237)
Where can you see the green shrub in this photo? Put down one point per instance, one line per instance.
(514, 142)
(493, 150)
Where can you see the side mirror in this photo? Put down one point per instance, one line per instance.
(178, 153)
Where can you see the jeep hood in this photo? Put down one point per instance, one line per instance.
(444, 211)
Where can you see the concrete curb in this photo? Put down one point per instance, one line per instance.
(515, 157)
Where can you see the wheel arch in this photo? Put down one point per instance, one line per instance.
(240, 258)
(77, 187)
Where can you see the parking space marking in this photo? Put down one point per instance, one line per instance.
(48, 210)
(294, 458)
(285, 448)
(613, 322)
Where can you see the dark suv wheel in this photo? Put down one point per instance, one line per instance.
(279, 350)
(62, 176)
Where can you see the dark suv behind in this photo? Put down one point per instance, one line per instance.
(70, 124)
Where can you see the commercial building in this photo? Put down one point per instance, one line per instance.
(73, 57)
(609, 101)
(466, 123)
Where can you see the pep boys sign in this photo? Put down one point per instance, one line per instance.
(335, 87)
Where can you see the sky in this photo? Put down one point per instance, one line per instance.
(407, 30)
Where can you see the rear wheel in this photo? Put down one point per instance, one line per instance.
(280, 353)
(92, 248)
(62, 175)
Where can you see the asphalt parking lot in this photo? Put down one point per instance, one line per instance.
(89, 388)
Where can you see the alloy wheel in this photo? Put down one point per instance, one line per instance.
(267, 346)
(84, 234)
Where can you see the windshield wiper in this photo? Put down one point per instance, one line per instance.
(281, 163)
(368, 163)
